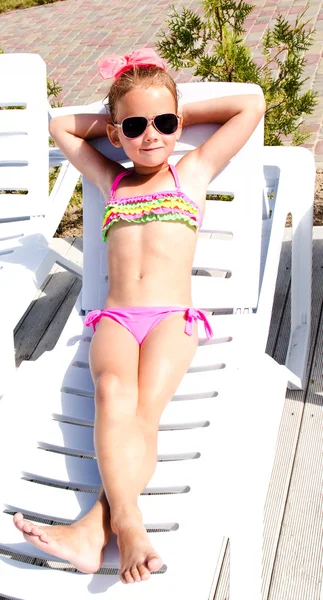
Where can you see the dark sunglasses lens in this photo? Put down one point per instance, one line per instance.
(134, 126)
(166, 123)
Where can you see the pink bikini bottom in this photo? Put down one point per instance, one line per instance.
(139, 320)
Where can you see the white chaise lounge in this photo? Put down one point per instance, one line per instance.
(217, 436)
(29, 215)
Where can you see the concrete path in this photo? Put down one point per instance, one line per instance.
(73, 34)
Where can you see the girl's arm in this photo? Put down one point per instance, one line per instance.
(239, 116)
(70, 133)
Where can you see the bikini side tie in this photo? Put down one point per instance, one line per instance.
(193, 314)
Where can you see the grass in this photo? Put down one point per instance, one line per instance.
(72, 221)
(6, 5)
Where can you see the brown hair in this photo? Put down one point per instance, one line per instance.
(139, 77)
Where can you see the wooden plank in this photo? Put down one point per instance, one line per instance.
(281, 292)
(42, 324)
(56, 326)
(42, 313)
(298, 565)
(222, 588)
(279, 584)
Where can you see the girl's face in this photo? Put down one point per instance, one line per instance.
(152, 148)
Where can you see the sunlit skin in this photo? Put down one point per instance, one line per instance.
(151, 169)
(149, 264)
(150, 151)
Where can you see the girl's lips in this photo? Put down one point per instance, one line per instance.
(150, 149)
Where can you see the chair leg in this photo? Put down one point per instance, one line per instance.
(254, 423)
(246, 544)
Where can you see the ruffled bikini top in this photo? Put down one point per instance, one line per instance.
(169, 205)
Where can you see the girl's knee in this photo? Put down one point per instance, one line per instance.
(148, 422)
(112, 394)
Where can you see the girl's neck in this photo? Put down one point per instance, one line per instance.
(144, 171)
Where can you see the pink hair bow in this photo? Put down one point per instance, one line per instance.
(114, 65)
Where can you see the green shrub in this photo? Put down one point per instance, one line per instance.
(6, 5)
(214, 48)
(53, 90)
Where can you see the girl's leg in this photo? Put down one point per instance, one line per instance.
(129, 402)
(165, 356)
(82, 543)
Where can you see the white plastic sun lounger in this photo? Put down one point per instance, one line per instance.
(28, 220)
(217, 436)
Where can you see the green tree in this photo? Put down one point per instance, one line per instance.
(214, 48)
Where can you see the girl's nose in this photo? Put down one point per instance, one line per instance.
(151, 132)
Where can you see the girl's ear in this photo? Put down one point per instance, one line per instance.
(180, 127)
(113, 135)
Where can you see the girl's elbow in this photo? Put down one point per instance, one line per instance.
(53, 126)
(261, 104)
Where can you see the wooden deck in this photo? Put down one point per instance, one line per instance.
(295, 572)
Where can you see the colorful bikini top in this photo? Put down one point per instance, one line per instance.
(170, 205)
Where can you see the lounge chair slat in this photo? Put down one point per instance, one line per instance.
(168, 548)
(13, 121)
(207, 355)
(66, 505)
(78, 440)
(14, 148)
(80, 409)
(82, 473)
(79, 380)
(12, 541)
(35, 581)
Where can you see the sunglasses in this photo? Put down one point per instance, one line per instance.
(133, 127)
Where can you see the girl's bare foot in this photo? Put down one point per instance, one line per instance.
(81, 543)
(137, 556)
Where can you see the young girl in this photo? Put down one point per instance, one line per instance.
(147, 335)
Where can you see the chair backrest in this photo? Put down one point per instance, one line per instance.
(23, 136)
(232, 249)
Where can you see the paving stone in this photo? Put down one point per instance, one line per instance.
(72, 35)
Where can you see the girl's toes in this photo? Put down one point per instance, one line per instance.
(127, 577)
(143, 572)
(34, 530)
(17, 519)
(154, 563)
(27, 527)
(122, 579)
(135, 574)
